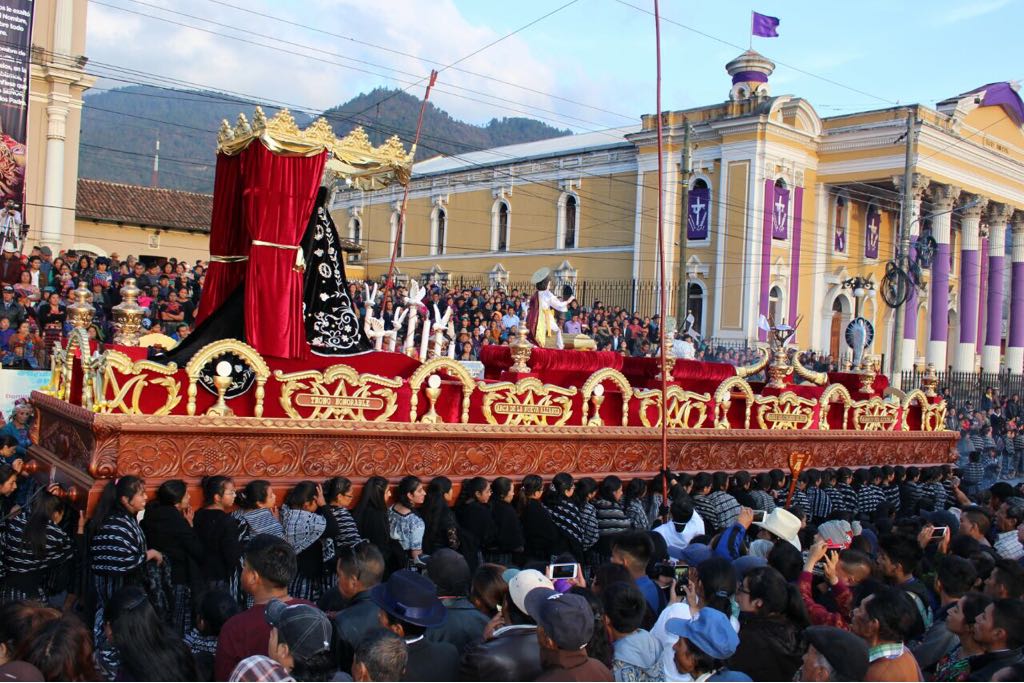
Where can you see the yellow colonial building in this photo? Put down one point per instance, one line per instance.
(778, 209)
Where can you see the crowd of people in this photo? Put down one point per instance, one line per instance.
(882, 573)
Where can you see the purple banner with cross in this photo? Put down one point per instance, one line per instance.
(697, 213)
(780, 214)
(872, 233)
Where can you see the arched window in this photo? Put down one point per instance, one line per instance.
(839, 225)
(571, 222)
(695, 306)
(356, 234)
(775, 305)
(500, 226)
(440, 230)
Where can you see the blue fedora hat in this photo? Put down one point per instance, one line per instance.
(410, 597)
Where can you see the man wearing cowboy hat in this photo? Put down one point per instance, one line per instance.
(409, 606)
(540, 320)
(781, 524)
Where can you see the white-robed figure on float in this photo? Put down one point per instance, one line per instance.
(541, 321)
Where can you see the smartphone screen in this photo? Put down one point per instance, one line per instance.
(939, 532)
(758, 516)
(562, 571)
(682, 579)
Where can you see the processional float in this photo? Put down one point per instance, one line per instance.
(282, 379)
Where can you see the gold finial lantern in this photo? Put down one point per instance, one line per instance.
(128, 315)
(81, 312)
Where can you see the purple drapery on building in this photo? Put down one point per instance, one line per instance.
(698, 214)
(766, 251)
(780, 214)
(764, 26)
(872, 233)
(794, 258)
(982, 296)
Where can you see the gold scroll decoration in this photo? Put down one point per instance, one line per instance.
(62, 365)
(249, 356)
(616, 378)
(686, 409)
(734, 387)
(526, 402)
(745, 371)
(125, 382)
(787, 411)
(452, 369)
(352, 398)
(876, 415)
(352, 157)
(834, 393)
(933, 415)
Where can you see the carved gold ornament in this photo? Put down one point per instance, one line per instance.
(246, 353)
(616, 378)
(686, 409)
(787, 411)
(835, 393)
(125, 382)
(353, 396)
(933, 415)
(352, 157)
(757, 366)
(876, 414)
(452, 369)
(526, 402)
(816, 378)
(740, 388)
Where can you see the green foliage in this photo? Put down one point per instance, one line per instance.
(120, 127)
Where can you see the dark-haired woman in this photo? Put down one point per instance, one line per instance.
(168, 528)
(440, 528)
(772, 617)
(117, 545)
(146, 648)
(60, 649)
(564, 513)
(475, 520)
(611, 518)
(583, 496)
(406, 526)
(256, 510)
(338, 494)
(633, 504)
(8, 486)
(371, 515)
(309, 527)
(508, 545)
(543, 540)
(220, 534)
(33, 545)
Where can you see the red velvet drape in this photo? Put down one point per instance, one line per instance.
(276, 203)
(227, 236)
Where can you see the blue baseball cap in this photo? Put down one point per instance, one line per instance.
(711, 632)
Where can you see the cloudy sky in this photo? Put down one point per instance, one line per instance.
(588, 64)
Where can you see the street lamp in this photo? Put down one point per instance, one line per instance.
(861, 286)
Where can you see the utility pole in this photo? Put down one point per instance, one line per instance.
(903, 254)
(683, 292)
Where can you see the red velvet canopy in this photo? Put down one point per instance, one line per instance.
(262, 202)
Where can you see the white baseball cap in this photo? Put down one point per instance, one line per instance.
(524, 582)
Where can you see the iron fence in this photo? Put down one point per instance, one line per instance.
(970, 386)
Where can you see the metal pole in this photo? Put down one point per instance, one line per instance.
(662, 291)
(682, 298)
(904, 247)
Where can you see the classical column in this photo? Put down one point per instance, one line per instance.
(943, 198)
(56, 129)
(909, 353)
(970, 282)
(998, 216)
(1015, 338)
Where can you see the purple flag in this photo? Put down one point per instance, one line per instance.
(780, 214)
(764, 26)
(872, 232)
(697, 213)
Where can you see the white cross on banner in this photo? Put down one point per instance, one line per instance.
(780, 214)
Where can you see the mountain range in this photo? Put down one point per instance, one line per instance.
(120, 129)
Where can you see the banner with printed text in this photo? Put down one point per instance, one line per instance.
(15, 53)
(15, 384)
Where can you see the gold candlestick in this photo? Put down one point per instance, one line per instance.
(597, 399)
(433, 391)
(222, 381)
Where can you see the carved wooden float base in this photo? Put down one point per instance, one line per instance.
(88, 448)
